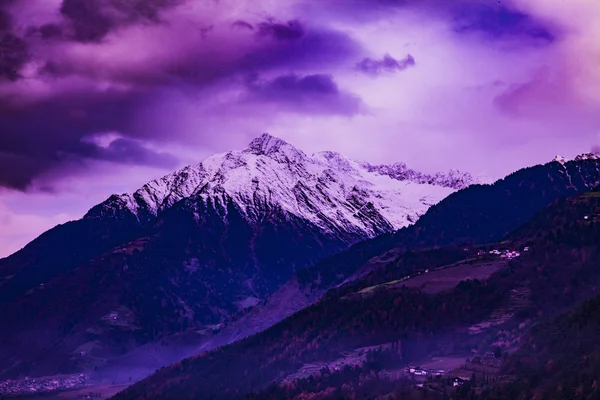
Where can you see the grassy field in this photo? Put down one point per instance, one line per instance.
(447, 278)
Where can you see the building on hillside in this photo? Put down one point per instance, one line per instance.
(458, 382)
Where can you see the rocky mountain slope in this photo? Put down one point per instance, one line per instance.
(189, 249)
(475, 215)
(424, 304)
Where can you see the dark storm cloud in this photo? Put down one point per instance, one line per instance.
(387, 64)
(43, 136)
(92, 20)
(54, 134)
(497, 20)
(317, 93)
(13, 55)
(13, 49)
(315, 48)
(126, 151)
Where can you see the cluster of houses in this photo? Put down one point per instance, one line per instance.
(508, 254)
(594, 217)
(421, 372)
(458, 381)
(417, 371)
(113, 317)
(42, 385)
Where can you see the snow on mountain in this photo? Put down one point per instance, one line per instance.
(587, 156)
(326, 188)
(560, 159)
(580, 157)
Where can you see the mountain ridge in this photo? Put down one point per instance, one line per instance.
(271, 171)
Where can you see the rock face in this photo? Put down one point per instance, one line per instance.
(191, 248)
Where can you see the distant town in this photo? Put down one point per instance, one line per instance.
(42, 385)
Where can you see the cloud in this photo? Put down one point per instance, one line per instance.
(241, 24)
(499, 20)
(92, 20)
(126, 151)
(291, 30)
(13, 55)
(315, 93)
(577, 54)
(53, 134)
(387, 64)
(104, 65)
(172, 73)
(569, 83)
(13, 49)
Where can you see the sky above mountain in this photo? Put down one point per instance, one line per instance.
(100, 96)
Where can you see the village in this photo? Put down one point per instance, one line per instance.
(508, 254)
(475, 372)
(29, 386)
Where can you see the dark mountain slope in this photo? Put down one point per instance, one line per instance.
(477, 214)
(561, 359)
(560, 270)
(59, 250)
(189, 273)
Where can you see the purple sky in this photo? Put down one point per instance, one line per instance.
(100, 96)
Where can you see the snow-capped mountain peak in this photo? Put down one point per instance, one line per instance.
(267, 144)
(326, 189)
(560, 159)
(581, 157)
(587, 156)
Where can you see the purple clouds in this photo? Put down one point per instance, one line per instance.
(13, 49)
(92, 20)
(314, 94)
(134, 88)
(168, 73)
(97, 67)
(281, 31)
(13, 55)
(497, 20)
(387, 64)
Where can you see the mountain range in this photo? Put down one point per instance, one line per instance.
(189, 249)
(426, 304)
(269, 241)
(479, 214)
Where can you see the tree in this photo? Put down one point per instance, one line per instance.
(497, 352)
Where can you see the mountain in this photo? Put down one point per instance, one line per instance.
(332, 192)
(428, 303)
(475, 215)
(188, 250)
